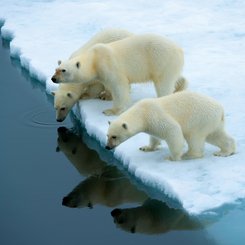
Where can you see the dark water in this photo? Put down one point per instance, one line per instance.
(55, 190)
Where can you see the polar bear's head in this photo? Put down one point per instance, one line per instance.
(63, 102)
(79, 69)
(66, 72)
(118, 132)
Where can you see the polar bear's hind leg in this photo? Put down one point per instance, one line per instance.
(195, 147)
(221, 139)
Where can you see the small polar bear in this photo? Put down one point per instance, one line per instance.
(138, 58)
(68, 94)
(173, 118)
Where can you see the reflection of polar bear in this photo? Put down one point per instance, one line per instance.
(153, 217)
(184, 115)
(138, 58)
(68, 94)
(111, 188)
(85, 160)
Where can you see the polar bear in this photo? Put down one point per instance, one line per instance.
(68, 94)
(173, 118)
(110, 188)
(153, 217)
(138, 58)
(104, 36)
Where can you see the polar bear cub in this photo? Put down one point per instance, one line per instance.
(173, 118)
(68, 95)
(138, 58)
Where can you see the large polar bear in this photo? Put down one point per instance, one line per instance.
(138, 58)
(173, 118)
(68, 94)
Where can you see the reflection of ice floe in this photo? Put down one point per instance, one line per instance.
(153, 217)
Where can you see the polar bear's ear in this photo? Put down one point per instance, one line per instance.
(59, 62)
(125, 126)
(53, 93)
(78, 64)
(69, 95)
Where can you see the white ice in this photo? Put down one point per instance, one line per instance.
(212, 34)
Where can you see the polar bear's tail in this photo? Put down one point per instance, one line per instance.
(181, 84)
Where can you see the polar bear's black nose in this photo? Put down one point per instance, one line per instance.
(108, 147)
(59, 120)
(54, 79)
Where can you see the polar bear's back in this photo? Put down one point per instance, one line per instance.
(104, 36)
(193, 111)
(196, 113)
(154, 53)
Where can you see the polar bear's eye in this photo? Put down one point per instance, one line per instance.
(62, 108)
(114, 137)
(63, 70)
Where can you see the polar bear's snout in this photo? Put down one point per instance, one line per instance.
(112, 142)
(60, 119)
(108, 147)
(54, 79)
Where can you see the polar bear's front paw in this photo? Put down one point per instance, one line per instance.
(171, 158)
(111, 112)
(222, 154)
(148, 148)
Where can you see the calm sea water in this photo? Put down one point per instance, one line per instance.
(55, 190)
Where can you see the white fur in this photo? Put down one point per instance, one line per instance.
(174, 118)
(90, 90)
(68, 94)
(138, 58)
(104, 36)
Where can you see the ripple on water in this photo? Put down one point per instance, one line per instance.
(41, 118)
